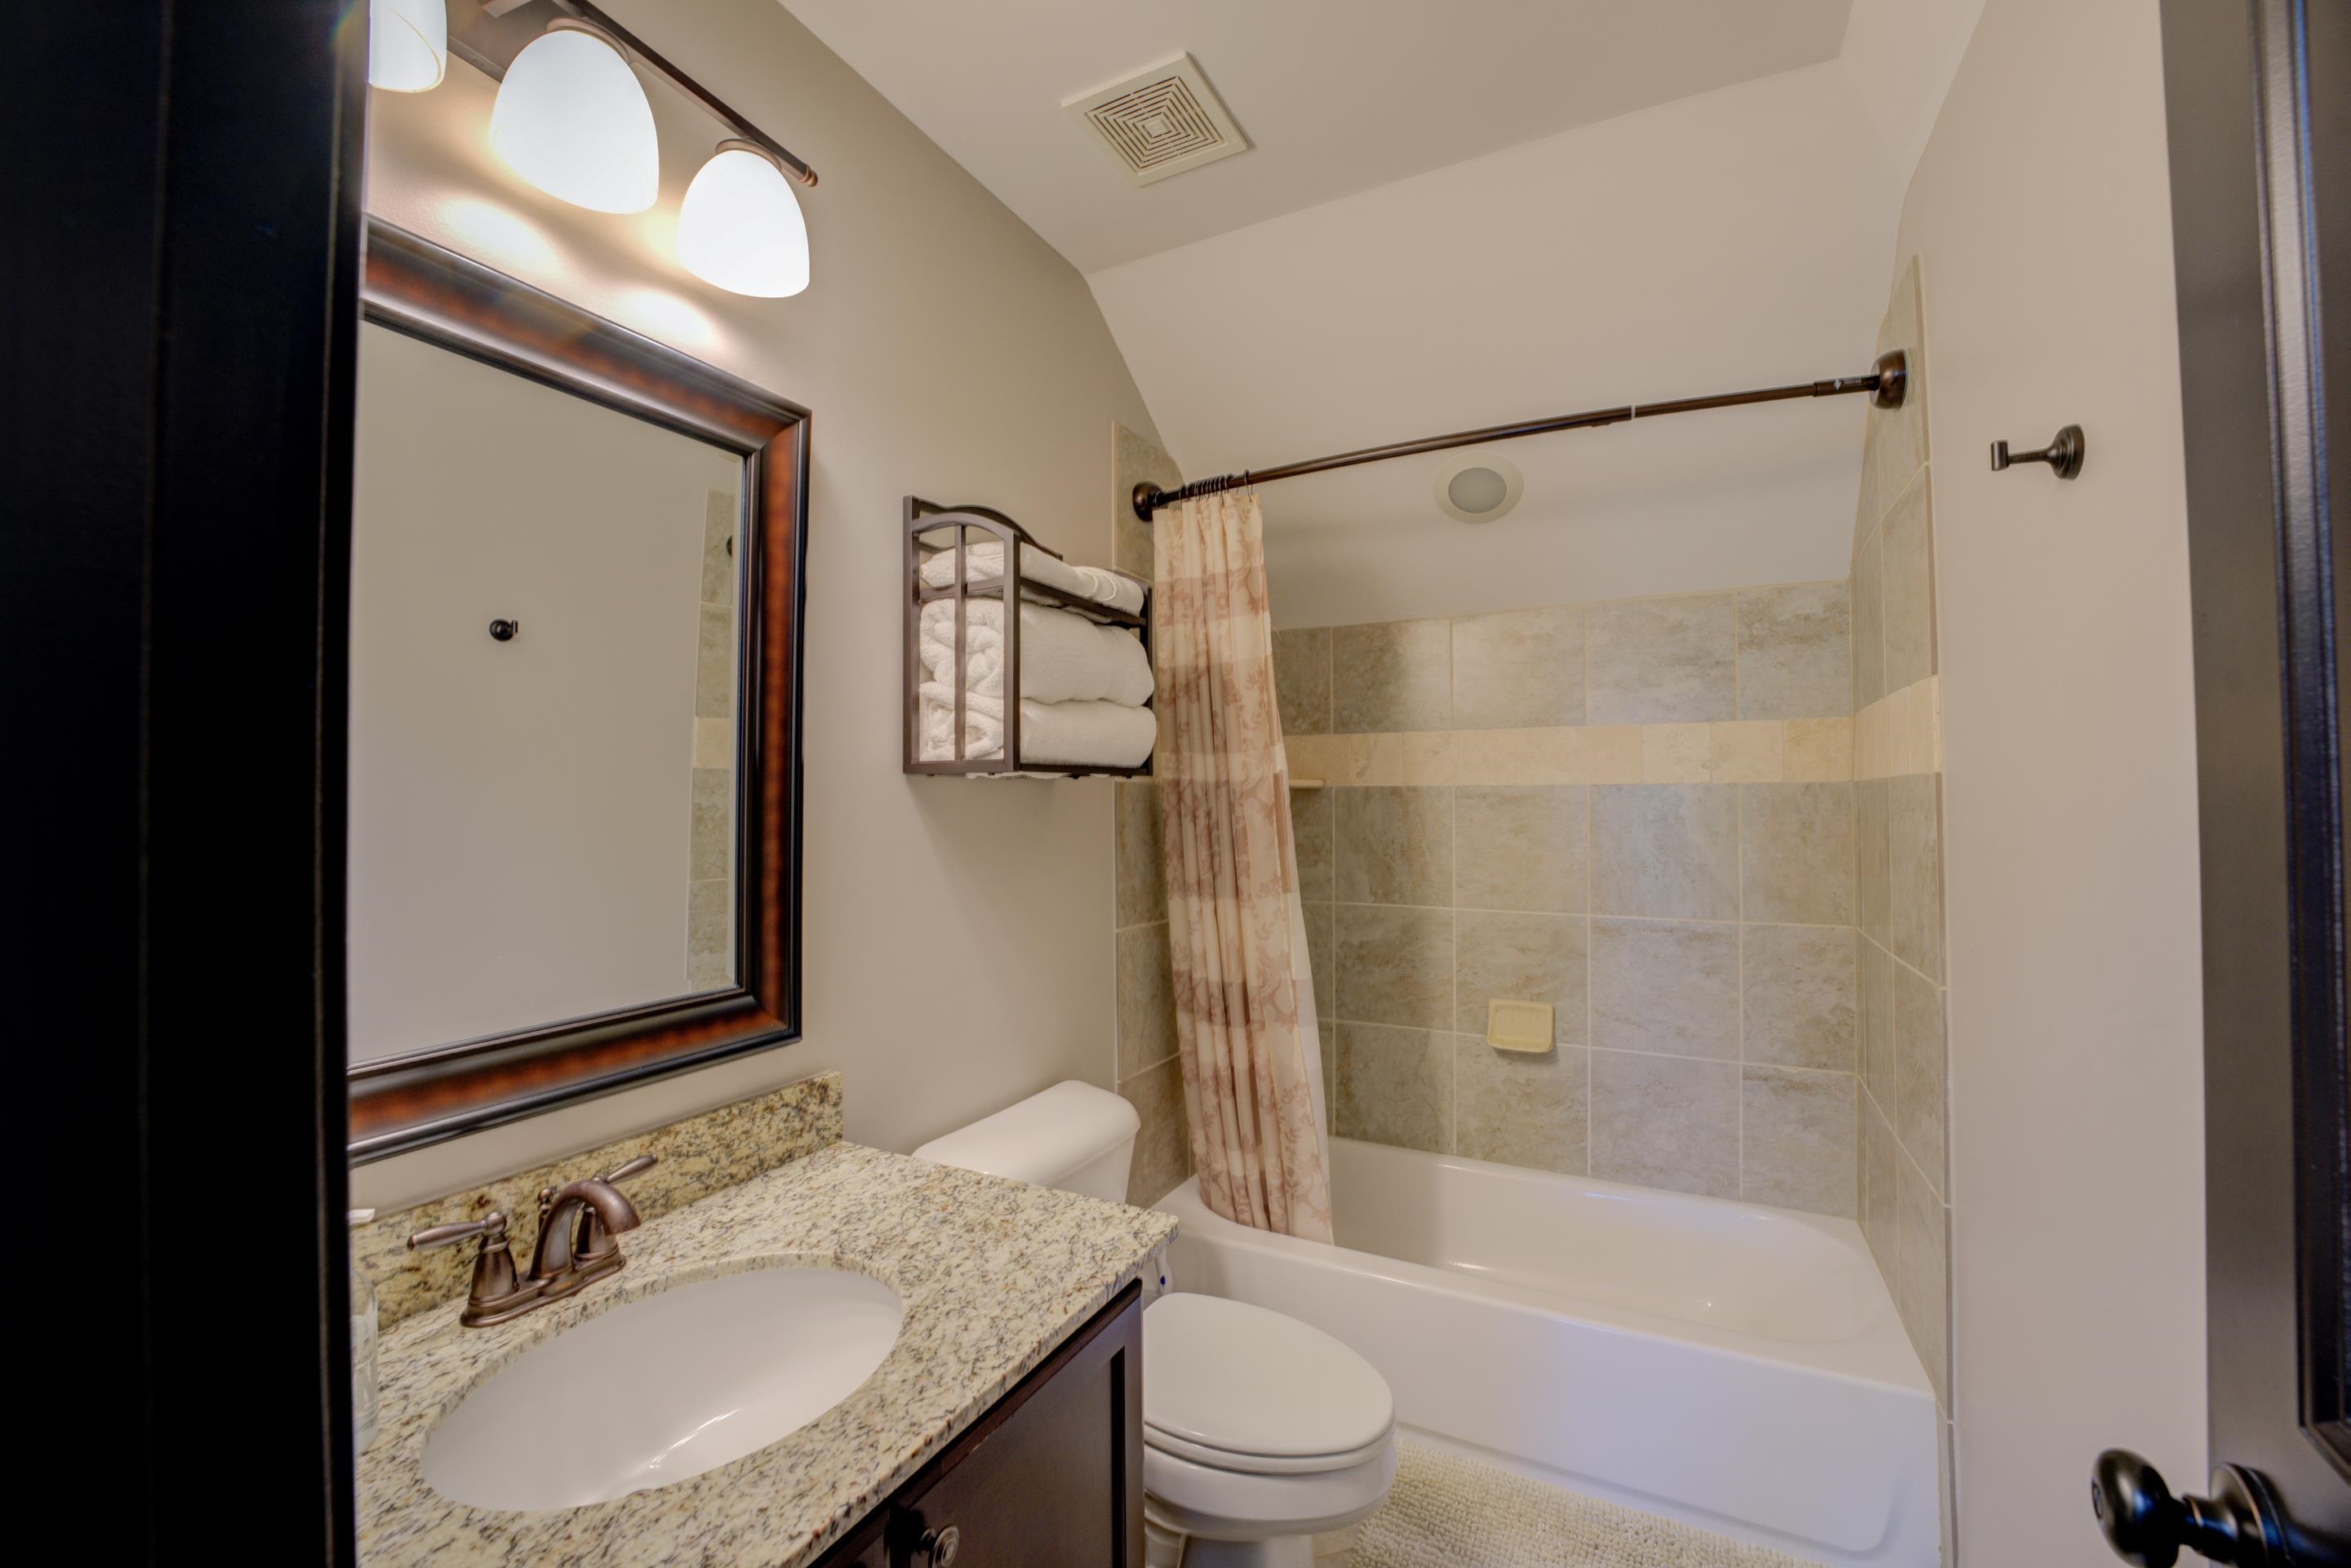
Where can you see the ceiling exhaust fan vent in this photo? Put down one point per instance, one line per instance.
(1160, 122)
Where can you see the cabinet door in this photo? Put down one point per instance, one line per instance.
(867, 1545)
(1052, 1477)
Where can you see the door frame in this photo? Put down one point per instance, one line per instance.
(2259, 209)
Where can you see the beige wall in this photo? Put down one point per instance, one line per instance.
(2063, 615)
(953, 929)
(1639, 812)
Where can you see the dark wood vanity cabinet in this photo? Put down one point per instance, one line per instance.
(1051, 1476)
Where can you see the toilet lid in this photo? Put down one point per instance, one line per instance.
(1240, 1380)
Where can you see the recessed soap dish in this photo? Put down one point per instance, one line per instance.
(1518, 1026)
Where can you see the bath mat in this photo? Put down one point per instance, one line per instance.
(1450, 1511)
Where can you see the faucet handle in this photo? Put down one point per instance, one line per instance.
(497, 1294)
(492, 1225)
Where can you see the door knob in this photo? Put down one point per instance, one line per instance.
(2239, 1525)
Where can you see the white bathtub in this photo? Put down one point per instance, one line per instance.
(1735, 1366)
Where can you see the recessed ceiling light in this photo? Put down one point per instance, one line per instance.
(1478, 486)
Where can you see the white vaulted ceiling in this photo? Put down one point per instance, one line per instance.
(1459, 215)
(1739, 239)
(1336, 95)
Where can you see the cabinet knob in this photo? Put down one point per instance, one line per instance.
(938, 1547)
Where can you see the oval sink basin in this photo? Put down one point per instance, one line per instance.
(663, 1388)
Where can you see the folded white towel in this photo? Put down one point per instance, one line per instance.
(1100, 734)
(1063, 657)
(1114, 589)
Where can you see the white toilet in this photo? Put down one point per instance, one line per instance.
(1259, 1432)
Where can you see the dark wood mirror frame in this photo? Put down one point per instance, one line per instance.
(420, 1097)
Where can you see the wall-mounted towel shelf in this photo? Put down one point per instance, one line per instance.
(967, 713)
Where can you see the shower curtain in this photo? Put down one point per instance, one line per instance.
(1245, 1020)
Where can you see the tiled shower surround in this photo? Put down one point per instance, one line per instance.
(1637, 811)
(710, 880)
(1899, 799)
(1707, 828)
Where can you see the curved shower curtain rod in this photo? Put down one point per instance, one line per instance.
(1886, 381)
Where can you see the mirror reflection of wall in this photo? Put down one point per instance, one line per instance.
(541, 826)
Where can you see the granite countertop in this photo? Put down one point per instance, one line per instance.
(994, 1275)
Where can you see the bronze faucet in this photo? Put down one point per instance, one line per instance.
(577, 1225)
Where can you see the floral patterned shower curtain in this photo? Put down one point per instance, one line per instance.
(1244, 999)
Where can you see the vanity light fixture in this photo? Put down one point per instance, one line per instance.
(572, 118)
(408, 44)
(740, 227)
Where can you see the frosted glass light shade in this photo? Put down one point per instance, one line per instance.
(408, 44)
(741, 226)
(572, 118)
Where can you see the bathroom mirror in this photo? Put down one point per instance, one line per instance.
(573, 769)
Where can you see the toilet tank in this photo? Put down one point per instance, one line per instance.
(1073, 1136)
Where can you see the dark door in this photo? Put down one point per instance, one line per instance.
(2259, 103)
(179, 276)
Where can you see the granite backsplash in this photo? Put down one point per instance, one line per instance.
(697, 1156)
